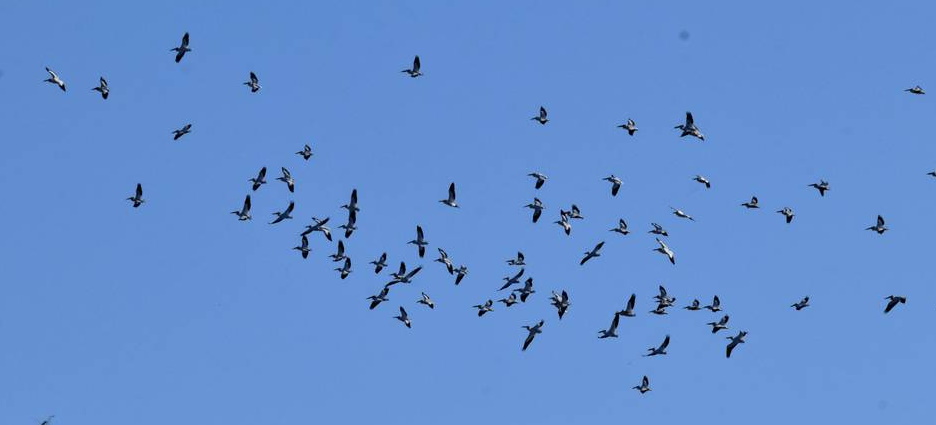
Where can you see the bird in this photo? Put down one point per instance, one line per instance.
(660, 309)
(259, 180)
(541, 118)
(352, 206)
(879, 227)
(751, 204)
(186, 129)
(611, 332)
(615, 184)
(510, 300)
(444, 259)
(304, 247)
(629, 308)
(592, 254)
(403, 317)
(801, 304)
(288, 179)
(655, 351)
(400, 273)
(537, 207)
(915, 90)
(735, 340)
(665, 250)
(694, 306)
(460, 274)
(408, 278)
(450, 201)
(715, 306)
(426, 301)
(788, 213)
(566, 225)
(561, 302)
(621, 227)
(512, 280)
(575, 212)
(658, 230)
(54, 79)
(664, 297)
(244, 213)
(180, 51)
(894, 299)
(526, 290)
(284, 215)
(305, 153)
(380, 263)
(540, 178)
(931, 173)
(340, 253)
(822, 187)
(414, 71)
(420, 242)
(102, 88)
(350, 226)
(630, 126)
(519, 261)
(137, 197)
(319, 226)
(719, 325)
(644, 385)
(379, 298)
(346, 269)
(532, 331)
(703, 180)
(253, 83)
(484, 308)
(689, 128)
(679, 213)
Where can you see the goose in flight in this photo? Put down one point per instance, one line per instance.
(658, 230)
(537, 207)
(611, 332)
(541, 118)
(426, 301)
(689, 128)
(288, 179)
(679, 213)
(186, 129)
(644, 385)
(340, 253)
(822, 187)
(629, 308)
(484, 308)
(519, 261)
(665, 250)
(894, 299)
(380, 263)
(660, 309)
(715, 306)
(460, 273)
(444, 259)
(414, 71)
(259, 180)
(137, 197)
(694, 306)
(915, 90)
(408, 278)
(304, 247)
(879, 227)
(532, 331)
(566, 225)
(540, 178)
(319, 226)
(350, 226)
(102, 88)
(509, 281)
(403, 317)
(379, 298)
(561, 302)
(703, 180)
(510, 300)
(450, 201)
(420, 242)
(592, 254)
(615, 184)
(735, 340)
(180, 51)
(305, 153)
(244, 213)
(284, 215)
(526, 290)
(630, 126)
(621, 228)
(253, 83)
(54, 79)
(345, 270)
(801, 304)
(721, 324)
(751, 204)
(788, 213)
(655, 351)
(352, 206)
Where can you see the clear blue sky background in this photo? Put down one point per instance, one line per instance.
(178, 313)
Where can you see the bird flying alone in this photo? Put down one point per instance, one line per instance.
(450, 201)
(253, 83)
(788, 213)
(414, 71)
(621, 228)
(184, 47)
(420, 242)
(259, 180)
(244, 213)
(531, 333)
(665, 250)
(54, 79)
(102, 88)
(305, 153)
(629, 308)
(661, 350)
(345, 270)
(751, 204)
(484, 308)
(380, 263)
(915, 90)
(679, 213)
(703, 180)
(644, 385)
(801, 304)
(719, 325)
(284, 215)
(689, 128)
(426, 301)
(519, 261)
(735, 340)
(537, 207)
(893, 301)
(540, 178)
(822, 187)
(879, 226)
(615, 184)
(304, 247)
(403, 317)
(541, 118)
(137, 198)
(186, 129)
(592, 254)
(288, 179)
(630, 126)
(611, 332)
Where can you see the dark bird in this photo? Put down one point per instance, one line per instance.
(621, 228)
(654, 351)
(180, 51)
(801, 304)
(512, 280)
(822, 187)
(665, 250)
(259, 180)
(137, 197)
(592, 254)
(735, 340)
(703, 180)
(664, 297)
(575, 212)
(694, 306)
(304, 247)
(460, 274)
(444, 259)
(379, 298)
(879, 227)
(561, 302)
(611, 332)
(526, 290)
(284, 215)
(484, 308)
(253, 83)
(400, 273)
(751, 204)
(894, 299)
(420, 242)
(102, 88)
(540, 178)
(414, 71)
(186, 129)
(380, 263)
(408, 278)
(630, 126)
(352, 206)
(346, 269)
(915, 90)
(689, 128)
(318, 226)
(660, 309)
(288, 179)
(426, 301)
(532, 331)
(450, 201)
(244, 213)
(931, 173)
(721, 324)
(788, 213)
(54, 79)
(629, 308)
(541, 118)
(509, 301)
(615, 184)
(305, 153)
(565, 223)
(715, 306)
(644, 385)
(403, 317)
(658, 230)
(537, 207)
(340, 253)
(519, 261)
(350, 226)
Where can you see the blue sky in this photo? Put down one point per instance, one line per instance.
(176, 312)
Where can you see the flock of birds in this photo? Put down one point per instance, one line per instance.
(521, 294)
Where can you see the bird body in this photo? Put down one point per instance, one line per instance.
(137, 197)
(182, 49)
(284, 215)
(541, 118)
(420, 242)
(414, 71)
(54, 79)
(630, 126)
(102, 88)
(253, 83)
(531, 333)
(689, 128)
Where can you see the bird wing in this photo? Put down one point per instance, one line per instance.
(542, 112)
(880, 221)
(614, 322)
(262, 174)
(286, 173)
(520, 256)
(451, 192)
(622, 223)
(528, 340)
(731, 346)
(253, 78)
(716, 302)
(416, 64)
(689, 120)
(665, 343)
(419, 233)
(631, 301)
(289, 209)
(103, 82)
(246, 208)
(598, 247)
(185, 40)
(354, 197)
(413, 272)
(139, 190)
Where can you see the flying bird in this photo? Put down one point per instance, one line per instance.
(403, 317)
(512, 280)
(735, 340)
(611, 332)
(137, 197)
(304, 247)
(575, 212)
(526, 290)
(426, 301)
(288, 179)
(346, 269)
(561, 302)
(541, 118)
(621, 228)
(283, 215)
(592, 254)
(509, 301)
(629, 309)
(751, 204)
(537, 207)
(180, 51)
(658, 230)
(318, 226)
(350, 226)
(414, 71)
(460, 273)
(408, 278)
(801, 304)
(484, 308)
(719, 325)
(630, 126)
(305, 153)
(519, 261)
(102, 88)
(694, 306)
(380, 263)
(420, 242)
(689, 128)
(822, 187)
(655, 351)
(444, 259)
(379, 298)
(450, 201)
(715, 306)
(879, 227)
(664, 297)
(339, 253)
(894, 299)
(703, 180)
(352, 206)
(54, 79)
(400, 273)
(532, 331)
(615, 184)
(540, 178)
(788, 213)
(259, 180)
(660, 309)
(915, 90)
(679, 213)
(186, 129)
(253, 83)
(644, 385)
(566, 225)
(665, 250)
(244, 213)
